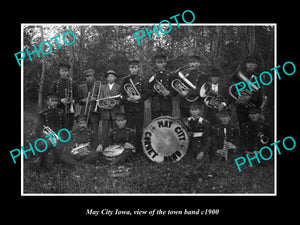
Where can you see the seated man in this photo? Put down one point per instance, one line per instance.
(82, 146)
(121, 142)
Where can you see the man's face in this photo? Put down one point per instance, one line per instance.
(64, 73)
(160, 63)
(225, 119)
(52, 103)
(82, 125)
(195, 112)
(90, 78)
(111, 78)
(214, 80)
(121, 123)
(254, 117)
(133, 69)
(251, 66)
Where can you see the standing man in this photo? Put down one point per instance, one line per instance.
(67, 92)
(108, 113)
(197, 76)
(86, 89)
(249, 69)
(53, 118)
(161, 90)
(134, 91)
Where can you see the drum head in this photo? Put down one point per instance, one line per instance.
(165, 139)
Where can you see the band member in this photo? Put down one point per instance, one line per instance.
(250, 67)
(255, 133)
(89, 91)
(53, 118)
(134, 92)
(216, 95)
(200, 134)
(121, 135)
(66, 90)
(197, 76)
(108, 113)
(224, 137)
(82, 146)
(162, 92)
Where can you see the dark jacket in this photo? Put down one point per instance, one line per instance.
(217, 136)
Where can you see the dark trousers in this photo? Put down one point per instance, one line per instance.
(242, 116)
(94, 120)
(155, 114)
(135, 120)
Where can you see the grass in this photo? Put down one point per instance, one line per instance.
(184, 177)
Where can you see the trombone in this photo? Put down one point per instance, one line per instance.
(88, 104)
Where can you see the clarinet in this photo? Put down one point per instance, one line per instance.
(225, 150)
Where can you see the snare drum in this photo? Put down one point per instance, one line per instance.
(165, 139)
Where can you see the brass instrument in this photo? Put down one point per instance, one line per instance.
(224, 151)
(243, 92)
(109, 102)
(131, 89)
(88, 104)
(183, 85)
(69, 96)
(158, 86)
(47, 131)
(81, 149)
(263, 138)
(211, 99)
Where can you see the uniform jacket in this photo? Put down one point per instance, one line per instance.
(200, 133)
(160, 103)
(54, 118)
(142, 87)
(121, 136)
(197, 77)
(250, 130)
(59, 88)
(217, 136)
(105, 92)
(81, 137)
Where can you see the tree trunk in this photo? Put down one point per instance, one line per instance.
(42, 79)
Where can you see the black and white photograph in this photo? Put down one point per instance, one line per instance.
(148, 109)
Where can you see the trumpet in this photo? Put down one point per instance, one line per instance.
(47, 131)
(182, 85)
(131, 89)
(211, 99)
(109, 102)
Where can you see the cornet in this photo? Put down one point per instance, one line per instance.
(47, 131)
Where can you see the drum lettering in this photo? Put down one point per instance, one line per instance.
(180, 133)
(166, 123)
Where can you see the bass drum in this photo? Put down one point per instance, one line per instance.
(165, 139)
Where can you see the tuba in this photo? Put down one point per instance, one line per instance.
(109, 102)
(131, 89)
(183, 85)
(211, 99)
(47, 131)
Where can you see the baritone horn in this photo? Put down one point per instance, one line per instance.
(131, 89)
(109, 102)
(211, 99)
(183, 85)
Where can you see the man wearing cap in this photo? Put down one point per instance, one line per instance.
(134, 105)
(249, 68)
(255, 133)
(82, 146)
(161, 102)
(219, 91)
(197, 76)
(53, 118)
(224, 136)
(108, 114)
(85, 88)
(67, 92)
